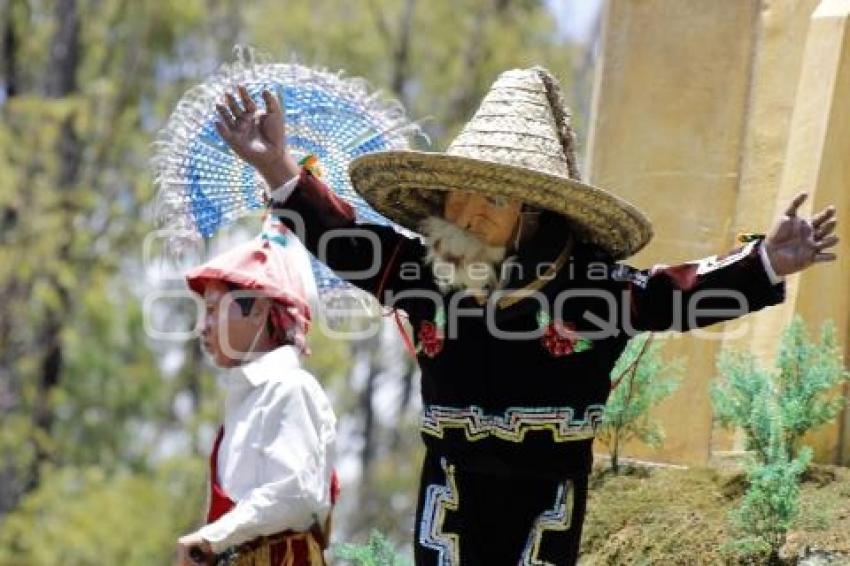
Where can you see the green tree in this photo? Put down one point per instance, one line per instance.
(772, 500)
(641, 380)
(438, 58)
(91, 407)
(84, 403)
(83, 516)
(775, 409)
(78, 75)
(805, 374)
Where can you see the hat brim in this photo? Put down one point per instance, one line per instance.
(409, 186)
(199, 278)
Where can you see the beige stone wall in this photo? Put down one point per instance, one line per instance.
(818, 159)
(667, 134)
(777, 58)
(694, 107)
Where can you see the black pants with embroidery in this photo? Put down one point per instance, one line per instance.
(473, 517)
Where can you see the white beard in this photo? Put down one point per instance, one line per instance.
(452, 251)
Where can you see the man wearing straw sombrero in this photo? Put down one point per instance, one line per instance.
(518, 305)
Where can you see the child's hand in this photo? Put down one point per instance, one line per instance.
(185, 544)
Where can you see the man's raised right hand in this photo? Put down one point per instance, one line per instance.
(257, 136)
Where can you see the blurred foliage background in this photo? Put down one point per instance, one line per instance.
(105, 431)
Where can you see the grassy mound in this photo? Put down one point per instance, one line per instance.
(674, 516)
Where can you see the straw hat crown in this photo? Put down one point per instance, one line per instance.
(519, 145)
(519, 123)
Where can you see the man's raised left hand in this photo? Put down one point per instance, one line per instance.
(795, 243)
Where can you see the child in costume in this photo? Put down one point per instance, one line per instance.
(272, 483)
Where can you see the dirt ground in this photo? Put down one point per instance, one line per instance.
(676, 516)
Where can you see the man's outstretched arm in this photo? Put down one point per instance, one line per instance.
(715, 289)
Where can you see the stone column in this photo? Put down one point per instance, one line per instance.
(818, 160)
(777, 60)
(667, 133)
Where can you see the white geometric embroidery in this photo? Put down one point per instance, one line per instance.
(514, 424)
(438, 500)
(556, 519)
(711, 263)
(625, 273)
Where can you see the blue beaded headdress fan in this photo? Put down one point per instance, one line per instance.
(204, 186)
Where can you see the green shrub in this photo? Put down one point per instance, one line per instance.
(642, 381)
(805, 372)
(83, 516)
(772, 500)
(775, 409)
(379, 551)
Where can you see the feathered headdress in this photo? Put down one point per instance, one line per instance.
(204, 186)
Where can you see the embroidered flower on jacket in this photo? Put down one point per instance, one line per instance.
(559, 337)
(431, 335)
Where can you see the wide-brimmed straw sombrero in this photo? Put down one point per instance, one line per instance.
(518, 145)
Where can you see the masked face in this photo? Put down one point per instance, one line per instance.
(491, 219)
(228, 335)
(460, 259)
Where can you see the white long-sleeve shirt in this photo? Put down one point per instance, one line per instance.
(276, 456)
